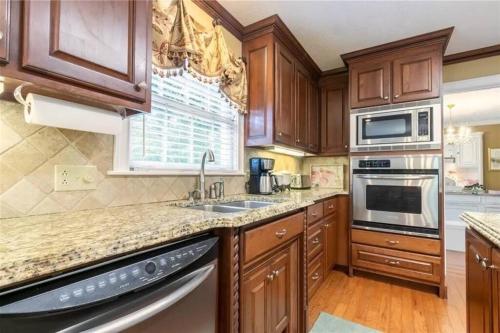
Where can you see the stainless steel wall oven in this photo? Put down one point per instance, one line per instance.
(397, 194)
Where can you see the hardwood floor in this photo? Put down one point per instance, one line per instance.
(392, 305)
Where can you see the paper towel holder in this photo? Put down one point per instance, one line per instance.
(19, 96)
(20, 99)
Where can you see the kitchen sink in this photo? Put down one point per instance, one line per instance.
(233, 207)
(248, 204)
(219, 208)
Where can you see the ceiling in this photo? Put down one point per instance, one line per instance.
(478, 107)
(327, 29)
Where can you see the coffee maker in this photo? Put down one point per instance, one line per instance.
(261, 180)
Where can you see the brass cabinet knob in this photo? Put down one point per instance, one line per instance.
(280, 134)
(1, 35)
(315, 276)
(281, 233)
(315, 240)
(392, 262)
(396, 96)
(141, 85)
(298, 140)
(386, 97)
(392, 242)
(346, 146)
(270, 277)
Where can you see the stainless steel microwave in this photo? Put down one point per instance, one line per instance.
(411, 128)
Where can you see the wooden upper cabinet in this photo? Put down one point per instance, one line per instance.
(285, 97)
(370, 83)
(313, 129)
(4, 30)
(102, 45)
(334, 118)
(302, 105)
(416, 76)
(478, 284)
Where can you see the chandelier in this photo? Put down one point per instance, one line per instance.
(454, 135)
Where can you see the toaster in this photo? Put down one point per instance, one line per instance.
(299, 181)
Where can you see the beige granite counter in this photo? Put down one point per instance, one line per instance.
(486, 224)
(36, 246)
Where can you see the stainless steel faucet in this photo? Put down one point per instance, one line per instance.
(211, 158)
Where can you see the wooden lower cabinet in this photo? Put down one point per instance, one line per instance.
(481, 279)
(330, 244)
(495, 260)
(270, 293)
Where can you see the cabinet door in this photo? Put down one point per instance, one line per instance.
(256, 300)
(285, 97)
(334, 121)
(284, 291)
(469, 153)
(496, 289)
(416, 76)
(313, 119)
(330, 248)
(4, 30)
(370, 83)
(478, 284)
(301, 106)
(98, 44)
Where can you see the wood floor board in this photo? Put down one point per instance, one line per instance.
(390, 305)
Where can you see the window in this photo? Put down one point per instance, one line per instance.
(187, 117)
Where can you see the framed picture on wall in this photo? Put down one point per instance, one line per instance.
(494, 159)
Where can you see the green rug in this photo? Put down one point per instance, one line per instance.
(330, 324)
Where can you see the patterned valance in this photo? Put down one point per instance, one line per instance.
(181, 43)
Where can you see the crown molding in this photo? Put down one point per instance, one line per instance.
(443, 36)
(218, 12)
(483, 52)
(274, 24)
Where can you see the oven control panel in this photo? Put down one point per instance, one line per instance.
(374, 164)
(114, 282)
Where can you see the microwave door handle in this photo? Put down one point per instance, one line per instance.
(152, 309)
(395, 177)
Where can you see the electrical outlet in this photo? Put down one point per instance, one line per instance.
(75, 177)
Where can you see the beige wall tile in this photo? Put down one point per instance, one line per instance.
(14, 117)
(68, 199)
(48, 140)
(71, 135)
(47, 206)
(8, 137)
(23, 157)
(23, 196)
(8, 177)
(7, 212)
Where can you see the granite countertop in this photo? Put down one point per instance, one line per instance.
(470, 193)
(486, 224)
(37, 246)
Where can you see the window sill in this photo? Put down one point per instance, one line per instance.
(172, 173)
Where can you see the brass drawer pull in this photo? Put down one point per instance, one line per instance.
(392, 242)
(330, 207)
(270, 277)
(315, 276)
(392, 262)
(314, 214)
(280, 234)
(276, 273)
(327, 225)
(315, 240)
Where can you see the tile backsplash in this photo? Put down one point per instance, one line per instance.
(28, 154)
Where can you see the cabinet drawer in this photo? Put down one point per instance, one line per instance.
(315, 276)
(314, 212)
(315, 240)
(395, 241)
(329, 206)
(411, 265)
(262, 239)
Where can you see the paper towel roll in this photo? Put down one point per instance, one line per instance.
(47, 111)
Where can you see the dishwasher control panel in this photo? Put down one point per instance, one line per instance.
(112, 283)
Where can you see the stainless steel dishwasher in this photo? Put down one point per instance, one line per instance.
(167, 289)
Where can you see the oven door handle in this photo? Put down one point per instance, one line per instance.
(412, 177)
(152, 309)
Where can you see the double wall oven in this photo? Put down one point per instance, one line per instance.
(398, 194)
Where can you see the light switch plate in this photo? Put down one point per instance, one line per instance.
(75, 177)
